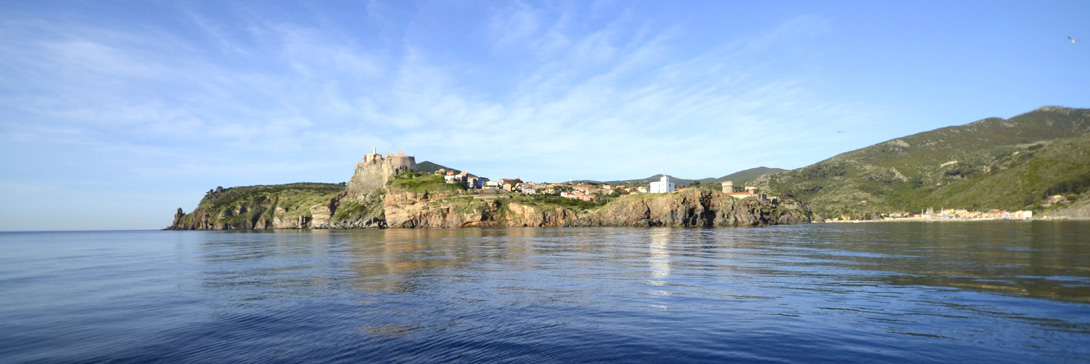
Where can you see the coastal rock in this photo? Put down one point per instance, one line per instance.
(693, 207)
(320, 214)
(527, 216)
(444, 210)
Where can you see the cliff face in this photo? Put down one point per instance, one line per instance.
(406, 209)
(694, 207)
(518, 214)
(691, 207)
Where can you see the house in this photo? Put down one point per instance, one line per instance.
(740, 195)
(528, 188)
(1021, 215)
(662, 186)
(1056, 199)
(580, 195)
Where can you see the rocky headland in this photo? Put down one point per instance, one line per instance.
(388, 192)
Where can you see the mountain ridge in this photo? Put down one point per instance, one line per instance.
(992, 163)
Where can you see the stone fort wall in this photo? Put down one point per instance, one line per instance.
(375, 171)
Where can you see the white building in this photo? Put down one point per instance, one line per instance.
(662, 186)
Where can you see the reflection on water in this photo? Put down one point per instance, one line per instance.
(659, 260)
(660, 256)
(946, 292)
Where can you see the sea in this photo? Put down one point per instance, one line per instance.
(940, 292)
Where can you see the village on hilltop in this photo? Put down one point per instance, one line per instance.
(585, 191)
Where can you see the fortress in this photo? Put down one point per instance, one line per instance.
(396, 161)
(374, 171)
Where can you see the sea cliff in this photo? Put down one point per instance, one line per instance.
(689, 207)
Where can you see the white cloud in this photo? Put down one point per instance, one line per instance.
(285, 101)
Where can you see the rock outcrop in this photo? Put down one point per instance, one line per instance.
(374, 172)
(518, 214)
(696, 208)
(405, 209)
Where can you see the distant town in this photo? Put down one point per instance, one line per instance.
(946, 214)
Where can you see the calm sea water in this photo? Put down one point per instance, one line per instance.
(895, 292)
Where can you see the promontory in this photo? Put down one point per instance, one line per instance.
(392, 191)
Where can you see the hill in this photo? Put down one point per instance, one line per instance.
(291, 205)
(431, 167)
(739, 178)
(991, 163)
(743, 177)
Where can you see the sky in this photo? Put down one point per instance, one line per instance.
(113, 114)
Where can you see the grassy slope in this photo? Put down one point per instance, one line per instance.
(1000, 164)
(421, 182)
(262, 200)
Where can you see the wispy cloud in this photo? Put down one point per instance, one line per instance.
(560, 96)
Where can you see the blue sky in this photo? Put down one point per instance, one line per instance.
(113, 114)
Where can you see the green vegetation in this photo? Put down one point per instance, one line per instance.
(420, 182)
(248, 206)
(743, 177)
(430, 167)
(549, 202)
(467, 204)
(366, 209)
(992, 163)
(229, 196)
